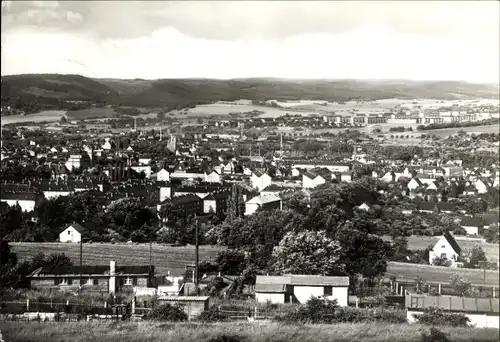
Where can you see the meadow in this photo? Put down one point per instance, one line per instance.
(231, 332)
(174, 259)
(91, 113)
(44, 116)
(444, 132)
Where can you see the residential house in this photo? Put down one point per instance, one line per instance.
(311, 180)
(162, 176)
(211, 176)
(447, 247)
(216, 202)
(471, 225)
(300, 288)
(364, 207)
(482, 186)
(73, 233)
(100, 279)
(26, 200)
(482, 312)
(414, 183)
(266, 202)
(260, 179)
(188, 204)
(446, 207)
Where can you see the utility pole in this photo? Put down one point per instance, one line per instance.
(197, 256)
(81, 266)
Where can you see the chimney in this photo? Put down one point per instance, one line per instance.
(112, 277)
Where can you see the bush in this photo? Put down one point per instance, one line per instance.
(434, 316)
(325, 311)
(435, 335)
(210, 315)
(167, 312)
(226, 338)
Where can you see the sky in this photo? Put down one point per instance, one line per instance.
(428, 40)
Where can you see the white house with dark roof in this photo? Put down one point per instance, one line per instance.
(447, 247)
(266, 202)
(471, 225)
(311, 180)
(72, 234)
(300, 288)
(260, 179)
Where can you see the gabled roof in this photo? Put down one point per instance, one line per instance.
(305, 280)
(453, 243)
(77, 227)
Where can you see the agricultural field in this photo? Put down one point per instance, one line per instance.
(231, 332)
(90, 113)
(439, 274)
(174, 259)
(44, 116)
(444, 132)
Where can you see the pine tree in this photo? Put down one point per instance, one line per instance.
(236, 204)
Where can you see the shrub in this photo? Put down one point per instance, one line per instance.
(210, 315)
(167, 312)
(435, 335)
(226, 338)
(315, 310)
(434, 316)
(353, 315)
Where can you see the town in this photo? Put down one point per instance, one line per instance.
(250, 171)
(244, 196)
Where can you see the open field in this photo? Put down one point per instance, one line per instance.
(91, 113)
(175, 258)
(231, 332)
(47, 115)
(439, 274)
(444, 132)
(416, 243)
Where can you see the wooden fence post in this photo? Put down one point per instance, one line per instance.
(133, 306)
(255, 311)
(439, 288)
(28, 305)
(494, 293)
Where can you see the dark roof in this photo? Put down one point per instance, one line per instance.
(446, 206)
(453, 243)
(77, 227)
(453, 303)
(426, 206)
(312, 280)
(87, 270)
(185, 199)
(20, 196)
(471, 221)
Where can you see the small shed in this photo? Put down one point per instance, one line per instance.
(192, 305)
(72, 233)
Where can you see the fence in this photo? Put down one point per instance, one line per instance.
(40, 310)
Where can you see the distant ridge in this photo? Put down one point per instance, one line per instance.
(50, 88)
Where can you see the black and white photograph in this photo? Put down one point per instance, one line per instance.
(250, 171)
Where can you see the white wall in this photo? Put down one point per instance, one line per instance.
(54, 194)
(26, 205)
(209, 204)
(476, 320)
(438, 250)
(163, 176)
(251, 208)
(70, 234)
(341, 294)
(471, 230)
(304, 293)
(277, 298)
(165, 193)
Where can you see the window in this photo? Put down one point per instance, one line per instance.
(96, 281)
(90, 281)
(443, 255)
(443, 246)
(128, 281)
(328, 290)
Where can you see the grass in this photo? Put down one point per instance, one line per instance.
(439, 274)
(91, 113)
(175, 258)
(47, 115)
(233, 332)
(444, 132)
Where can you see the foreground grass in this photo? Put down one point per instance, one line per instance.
(240, 332)
(174, 259)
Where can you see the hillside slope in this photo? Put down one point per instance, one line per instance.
(175, 92)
